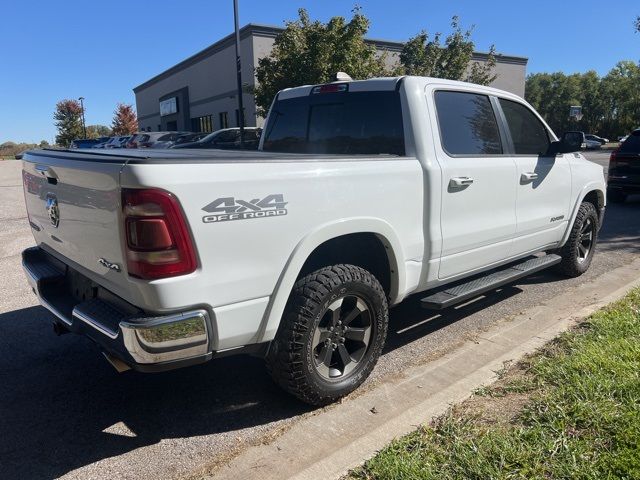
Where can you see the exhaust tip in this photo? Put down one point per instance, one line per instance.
(116, 363)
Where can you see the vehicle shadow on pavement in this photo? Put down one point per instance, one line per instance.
(409, 321)
(621, 229)
(63, 406)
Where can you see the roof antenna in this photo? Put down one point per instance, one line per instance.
(342, 77)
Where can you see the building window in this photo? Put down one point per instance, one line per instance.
(202, 124)
(224, 120)
(169, 106)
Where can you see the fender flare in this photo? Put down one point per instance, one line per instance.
(304, 248)
(588, 188)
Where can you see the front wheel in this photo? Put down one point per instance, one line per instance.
(331, 336)
(578, 252)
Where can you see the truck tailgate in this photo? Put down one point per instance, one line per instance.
(73, 203)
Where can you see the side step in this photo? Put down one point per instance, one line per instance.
(496, 279)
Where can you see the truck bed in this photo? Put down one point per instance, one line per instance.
(138, 156)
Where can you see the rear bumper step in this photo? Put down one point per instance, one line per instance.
(127, 336)
(496, 279)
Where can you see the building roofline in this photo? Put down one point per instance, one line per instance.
(272, 31)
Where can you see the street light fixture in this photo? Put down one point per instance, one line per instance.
(84, 128)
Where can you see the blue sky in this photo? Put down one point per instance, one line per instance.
(101, 50)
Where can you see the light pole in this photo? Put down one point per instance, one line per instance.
(239, 74)
(84, 128)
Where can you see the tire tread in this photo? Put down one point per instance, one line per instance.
(285, 358)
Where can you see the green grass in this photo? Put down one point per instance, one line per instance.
(572, 410)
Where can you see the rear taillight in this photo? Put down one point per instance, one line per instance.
(612, 162)
(158, 241)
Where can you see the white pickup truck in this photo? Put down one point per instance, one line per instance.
(362, 193)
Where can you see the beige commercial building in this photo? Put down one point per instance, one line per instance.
(199, 93)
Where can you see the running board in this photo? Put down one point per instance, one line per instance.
(491, 281)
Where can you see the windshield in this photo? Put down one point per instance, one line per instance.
(337, 123)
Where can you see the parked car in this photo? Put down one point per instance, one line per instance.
(102, 141)
(587, 144)
(167, 140)
(190, 137)
(84, 143)
(117, 142)
(596, 138)
(135, 138)
(150, 139)
(227, 138)
(363, 193)
(624, 169)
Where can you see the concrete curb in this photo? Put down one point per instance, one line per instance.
(328, 444)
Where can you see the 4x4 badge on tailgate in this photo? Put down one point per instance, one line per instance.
(229, 208)
(109, 265)
(52, 210)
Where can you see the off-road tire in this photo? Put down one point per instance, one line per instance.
(290, 360)
(616, 196)
(570, 264)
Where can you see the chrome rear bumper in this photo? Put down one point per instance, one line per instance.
(143, 342)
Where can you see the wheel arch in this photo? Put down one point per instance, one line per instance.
(321, 243)
(594, 193)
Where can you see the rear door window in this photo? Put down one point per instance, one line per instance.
(467, 124)
(529, 135)
(340, 122)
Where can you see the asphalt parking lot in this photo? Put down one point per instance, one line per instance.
(67, 413)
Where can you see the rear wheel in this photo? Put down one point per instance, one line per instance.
(578, 252)
(332, 334)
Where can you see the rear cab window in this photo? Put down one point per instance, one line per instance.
(337, 122)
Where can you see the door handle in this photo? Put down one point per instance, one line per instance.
(460, 181)
(528, 176)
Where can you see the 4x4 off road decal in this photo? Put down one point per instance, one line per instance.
(228, 208)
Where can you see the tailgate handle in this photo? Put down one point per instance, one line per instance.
(47, 171)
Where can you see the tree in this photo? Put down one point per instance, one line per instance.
(552, 95)
(610, 105)
(95, 131)
(621, 98)
(308, 52)
(10, 149)
(125, 120)
(452, 60)
(44, 144)
(68, 117)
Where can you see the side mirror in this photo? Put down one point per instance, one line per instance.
(569, 143)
